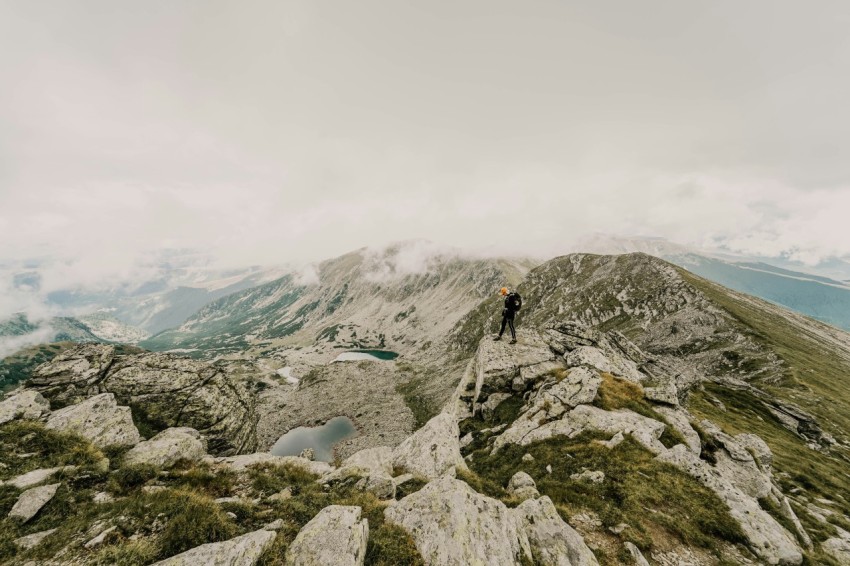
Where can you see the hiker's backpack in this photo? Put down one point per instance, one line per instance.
(517, 301)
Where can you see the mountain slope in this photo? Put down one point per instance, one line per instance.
(359, 300)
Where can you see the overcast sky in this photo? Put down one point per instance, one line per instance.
(277, 131)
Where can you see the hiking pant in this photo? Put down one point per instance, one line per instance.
(510, 321)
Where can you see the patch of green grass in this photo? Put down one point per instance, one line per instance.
(650, 496)
(47, 448)
(130, 478)
(200, 477)
(194, 519)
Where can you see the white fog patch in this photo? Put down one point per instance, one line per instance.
(307, 275)
(11, 344)
(414, 257)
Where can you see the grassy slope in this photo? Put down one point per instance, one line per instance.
(815, 378)
(180, 517)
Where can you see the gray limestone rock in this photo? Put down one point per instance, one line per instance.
(27, 404)
(432, 450)
(31, 501)
(553, 542)
(35, 477)
(98, 419)
(168, 447)
(522, 486)
(243, 550)
(33, 540)
(452, 525)
(337, 536)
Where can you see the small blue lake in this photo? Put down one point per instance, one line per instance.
(368, 355)
(320, 438)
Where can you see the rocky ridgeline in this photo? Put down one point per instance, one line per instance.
(559, 404)
(164, 389)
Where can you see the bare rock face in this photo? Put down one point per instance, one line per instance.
(617, 365)
(553, 542)
(27, 404)
(498, 364)
(167, 447)
(337, 536)
(838, 547)
(432, 450)
(370, 470)
(452, 525)
(31, 501)
(35, 477)
(33, 540)
(244, 550)
(169, 390)
(767, 537)
(98, 419)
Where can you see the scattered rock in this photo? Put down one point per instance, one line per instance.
(522, 486)
(98, 419)
(244, 550)
(168, 447)
(275, 525)
(33, 540)
(102, 497)
(27, 404)
(35, 477)
(613, 441)
(432, 450)
(31, 501)
(667, 394)
(548, 468)
(153, 488)
(337, 536)
(224, 500)
(767, 537)
(282, 495)
(593, 476)
(241, 463)
(369, 470)
(98, 540)
(527, 458)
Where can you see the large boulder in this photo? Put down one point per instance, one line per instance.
(838, 547)
(27, 404)
(497, 364)
(244, 550)
(31, 501)
(767, 537)
(453, 525)
(370, 470)
(167, 447)
(432, 450)
(337, 536)
(99, 419)
(170, 391)
(607, 362)
(245, 461)
(522, 486)
(553, 542)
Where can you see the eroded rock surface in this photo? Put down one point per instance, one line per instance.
(337, 536)
(99, 419)
(31, 501)
(168, 447)
(27, 404)
(553, 542)
(432, 450)
(169, 390)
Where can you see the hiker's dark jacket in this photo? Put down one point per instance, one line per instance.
(510, 306)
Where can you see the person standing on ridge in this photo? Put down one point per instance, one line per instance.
(513, 302)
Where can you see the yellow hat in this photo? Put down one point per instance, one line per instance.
(504, 290)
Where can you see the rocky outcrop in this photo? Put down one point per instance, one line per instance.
(337, 536)
(370, 470)
(522, 486)
(767, 537)
(432, 450)
(31, 501)
(619, 366)
(245, 461)
(31, 541)
(452, 525)
(838, 547)
(680, 421)
(98, 419)
(168, 390)
(553, 542)
(586, 417)
(244, 550)
(27, 404)
(168, 447)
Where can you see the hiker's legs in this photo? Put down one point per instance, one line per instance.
(513, 330)
(505, 321)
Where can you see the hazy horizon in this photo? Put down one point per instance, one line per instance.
(269, 133)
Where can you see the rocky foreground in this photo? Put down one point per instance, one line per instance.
(492, 479)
